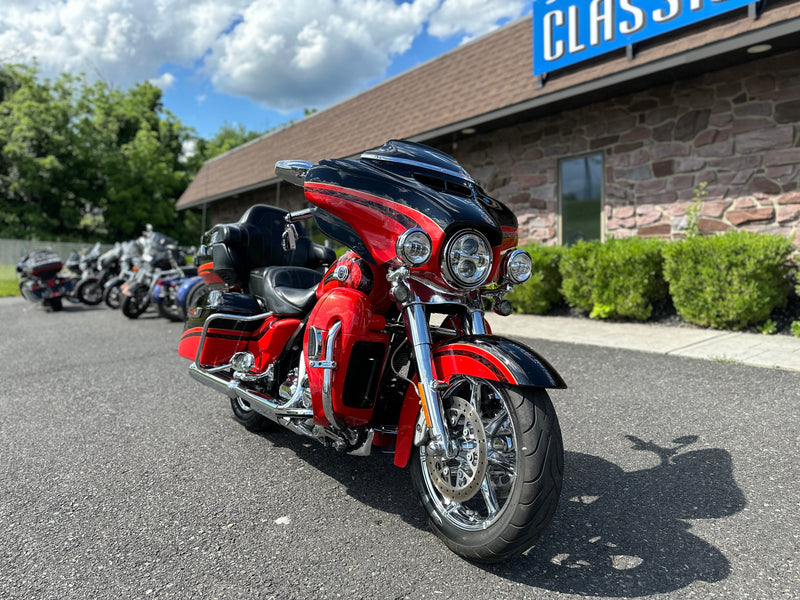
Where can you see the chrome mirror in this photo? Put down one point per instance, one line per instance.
(293, 171)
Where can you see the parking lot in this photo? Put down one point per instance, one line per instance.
(121, 477)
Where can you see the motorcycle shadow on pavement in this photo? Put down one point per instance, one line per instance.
(374, 480)
(627, 534)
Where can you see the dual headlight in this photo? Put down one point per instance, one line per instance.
(467, 258)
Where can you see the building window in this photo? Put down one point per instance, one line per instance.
(580, 181)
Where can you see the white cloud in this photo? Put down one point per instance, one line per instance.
(165, 81)
(285, 55)
(472, 17)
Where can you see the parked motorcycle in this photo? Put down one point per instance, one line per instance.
(96, 274)
(161, 260)
(129, 264)
(40, 279)
(82, 265)
(192, 289)
(166, 293)
(390, 348)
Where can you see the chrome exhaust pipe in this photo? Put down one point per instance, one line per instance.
(261, 403)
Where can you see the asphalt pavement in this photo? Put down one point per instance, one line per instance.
(121, 477)
(759, 350)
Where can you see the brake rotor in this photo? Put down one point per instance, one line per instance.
(459, 478)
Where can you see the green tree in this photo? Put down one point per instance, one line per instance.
(227, 138)
(89, 161)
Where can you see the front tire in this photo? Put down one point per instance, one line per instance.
(112, 296)
(135, 304)
(493, 500)
(90, 292)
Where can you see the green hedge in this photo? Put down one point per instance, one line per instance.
(577, 272)
(542, 290)
(729, 281)
(628, 278)
(617, 279)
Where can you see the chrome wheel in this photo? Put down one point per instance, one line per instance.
(488, 514)
(471, 490)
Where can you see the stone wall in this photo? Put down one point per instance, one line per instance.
(736, 130)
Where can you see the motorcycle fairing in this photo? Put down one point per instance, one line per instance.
(353, 383)
(386, 203)
(488, 357)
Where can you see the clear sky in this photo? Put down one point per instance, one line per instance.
(254, 62)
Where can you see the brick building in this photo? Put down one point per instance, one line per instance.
(613, 147)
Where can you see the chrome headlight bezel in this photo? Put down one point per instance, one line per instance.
(455, 256)
(405, 244)
(514, 265)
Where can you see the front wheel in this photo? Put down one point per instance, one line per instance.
(112, 295)
(493, 499)
(135, 304)
(90, 292)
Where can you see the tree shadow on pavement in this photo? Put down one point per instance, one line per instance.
(615, 534)
(625, 534)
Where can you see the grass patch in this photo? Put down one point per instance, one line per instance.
(8, 281)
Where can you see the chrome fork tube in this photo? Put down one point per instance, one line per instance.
(477, 324)
(421, 340)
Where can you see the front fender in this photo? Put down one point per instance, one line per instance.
(129, 288)
(489, 357)
(497, 359)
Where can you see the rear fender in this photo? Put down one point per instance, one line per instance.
(489, 357)
(185, 287)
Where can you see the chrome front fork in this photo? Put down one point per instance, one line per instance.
(417, 324)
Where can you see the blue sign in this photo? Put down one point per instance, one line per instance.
(566, 32)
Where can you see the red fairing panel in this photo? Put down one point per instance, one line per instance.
(372, 215)
(359, 323)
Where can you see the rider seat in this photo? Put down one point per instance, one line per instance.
(289, 291)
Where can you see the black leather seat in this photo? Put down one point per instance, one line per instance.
(289, 291)
(254, 242)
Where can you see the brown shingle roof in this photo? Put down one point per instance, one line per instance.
(492, 74)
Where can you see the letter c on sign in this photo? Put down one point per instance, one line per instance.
(553, 50)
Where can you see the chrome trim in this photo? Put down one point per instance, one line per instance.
(314, 349)
(415, 163)
(401, 241)
(327, 379)
(417, 323)
(445, 263)
(293, 171)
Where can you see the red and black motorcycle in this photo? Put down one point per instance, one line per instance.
(388, 345)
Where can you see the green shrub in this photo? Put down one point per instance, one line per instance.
(628, 278)
(795, 328)
(543, 289)
(617, 279)
(728, 281)
(577, 270)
